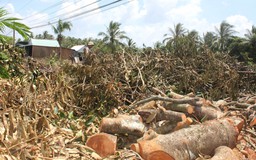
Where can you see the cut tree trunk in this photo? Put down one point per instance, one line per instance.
(123, 124)
(207, 113)
(188, 143)
(103, 144)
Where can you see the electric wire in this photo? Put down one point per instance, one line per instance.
(104, 10)
(26, 4)
(77, 15)
(50, 7)
(73, 11)
(51, 13)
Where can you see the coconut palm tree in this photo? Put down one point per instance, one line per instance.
(224, 34)
(251, 36)
(209, 40)
(250, 41)
(12, 23)
(46, 35)
(175, 33)
(113, 36)
(59, 29)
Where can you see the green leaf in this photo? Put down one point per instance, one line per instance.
(71, 115)
(3, 72)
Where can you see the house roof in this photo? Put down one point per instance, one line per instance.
(79, 48)
(44, 42)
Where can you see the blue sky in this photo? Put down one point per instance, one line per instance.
(145, 21)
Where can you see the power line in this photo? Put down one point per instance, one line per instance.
(77, 15)
(48, 13)
(52, 6)
(27, 3)
(105, 9)
(73, 11)
(63, 14)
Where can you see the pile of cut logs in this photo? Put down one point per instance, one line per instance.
(180, 127)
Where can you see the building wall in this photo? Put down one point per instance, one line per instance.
(66, 53)
(43, 52)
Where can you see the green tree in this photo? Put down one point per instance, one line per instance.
(46, 35)
(113, 36)
(250, 41)
(224, 33)
(59, 29)
(251, 37)
(12, 23)
(209, 40)
(175, 33)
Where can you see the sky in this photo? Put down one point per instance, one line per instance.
(144, 21)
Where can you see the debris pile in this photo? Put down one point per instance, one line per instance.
(125, 106)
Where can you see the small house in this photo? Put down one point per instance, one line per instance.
(42, 48)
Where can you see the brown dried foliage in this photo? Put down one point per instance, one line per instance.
(49, 111)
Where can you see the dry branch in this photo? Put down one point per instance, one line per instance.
(188, 143)
(166, 99)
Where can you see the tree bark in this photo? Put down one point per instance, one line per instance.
(160, 115)
(123, 124)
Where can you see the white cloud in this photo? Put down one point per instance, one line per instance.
(241, 23)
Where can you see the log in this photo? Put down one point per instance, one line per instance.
(188, 143)
(185, 108)
(200, 111)
(160, 115)
(104, 144)
(224, 153)
(148, 105)
(207, 113)
(123, 124)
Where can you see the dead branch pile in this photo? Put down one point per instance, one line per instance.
(50, 111)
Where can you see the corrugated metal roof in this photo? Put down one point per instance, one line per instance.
(44, 42)
(79, 48)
